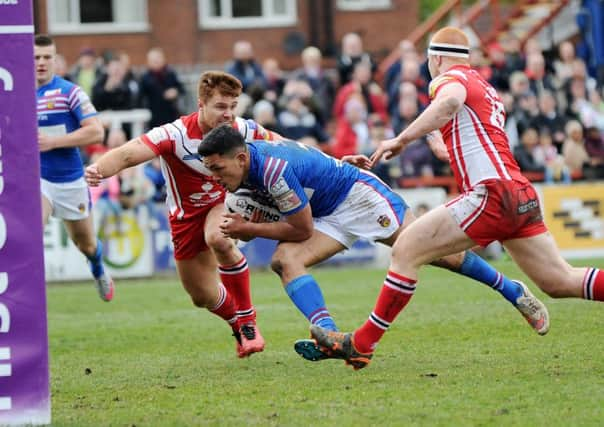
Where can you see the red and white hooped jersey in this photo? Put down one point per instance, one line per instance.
(476, 141)
(190, 185)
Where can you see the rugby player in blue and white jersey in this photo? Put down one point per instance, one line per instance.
(327, 205)
(67, 120)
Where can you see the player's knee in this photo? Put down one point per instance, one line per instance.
(281, 261)
(401, 251)
(200, 302)
(276, 265)
(201, 299)
(87, 248)
(218, 243)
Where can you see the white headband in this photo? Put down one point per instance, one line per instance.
(445, 49)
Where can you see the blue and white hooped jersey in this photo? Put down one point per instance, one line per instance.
(295, 174)
(61, 107)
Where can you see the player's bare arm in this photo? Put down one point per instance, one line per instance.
(441, 110)
(90, 132)
(133, 153)
(296, 228)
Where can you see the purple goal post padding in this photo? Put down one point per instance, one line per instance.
(24, 385)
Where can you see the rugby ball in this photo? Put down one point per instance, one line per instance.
(252, 205)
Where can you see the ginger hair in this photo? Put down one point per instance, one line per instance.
(224, 83)
(450, 35)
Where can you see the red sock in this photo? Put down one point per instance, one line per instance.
(394, 296)
(225, 307)
(236, 278)
(593, 284)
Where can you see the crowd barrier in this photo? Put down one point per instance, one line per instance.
(138, 244)
(137, 118)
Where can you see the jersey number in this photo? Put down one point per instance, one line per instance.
(497, 109)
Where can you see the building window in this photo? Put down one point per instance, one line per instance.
(363, 4)
(97, 16)
(218, 14)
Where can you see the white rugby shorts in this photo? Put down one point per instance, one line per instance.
(371, 211)
(69, 200)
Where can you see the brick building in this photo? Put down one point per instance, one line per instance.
(203, 31)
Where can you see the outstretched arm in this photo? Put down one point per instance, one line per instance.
(132, 153)
(448, 101)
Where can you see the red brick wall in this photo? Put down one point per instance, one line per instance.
(174, 27)
(381, 30)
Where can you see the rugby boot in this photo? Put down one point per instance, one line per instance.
(340, 345)
(533, 310)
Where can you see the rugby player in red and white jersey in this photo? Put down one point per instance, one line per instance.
(496, 201)
(195, 202)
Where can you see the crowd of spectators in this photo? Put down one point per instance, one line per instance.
(555, 109)
(112, 84)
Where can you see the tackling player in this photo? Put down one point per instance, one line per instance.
(195, 202)
(67, 120)
(496, 201)
(328, 205)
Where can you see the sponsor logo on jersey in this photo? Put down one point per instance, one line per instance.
(50, 105)
(52, 92)
(528, 203)
(384, 221)
(242, 204)
(280, 187)
(202, 199)
(288, 201)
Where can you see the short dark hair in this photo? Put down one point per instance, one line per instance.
(43, 40)
(223, 139)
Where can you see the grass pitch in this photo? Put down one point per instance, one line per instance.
(458, 355)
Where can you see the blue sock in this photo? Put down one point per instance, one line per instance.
(306, 295)
(96, 261)
(478, 269)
